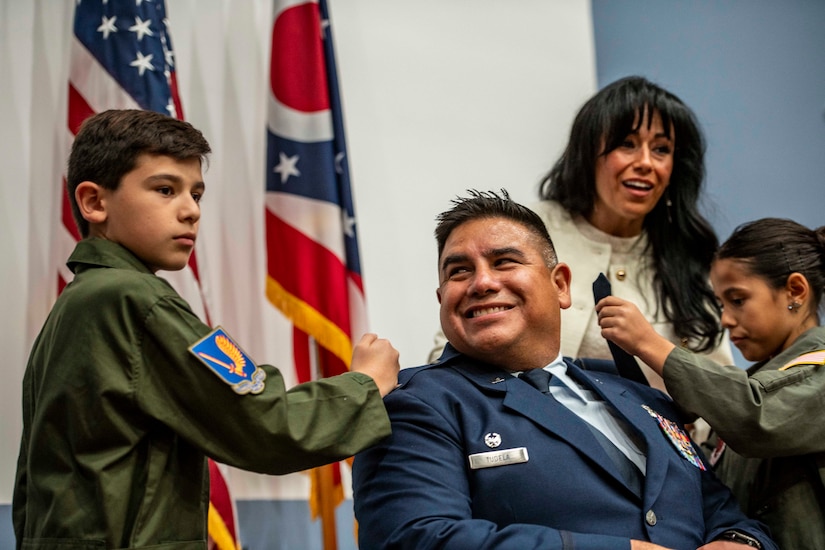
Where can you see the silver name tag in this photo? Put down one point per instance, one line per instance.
(498, 458)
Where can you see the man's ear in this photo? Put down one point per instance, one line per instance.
(90, 201)
(562, 277)
(438, 294)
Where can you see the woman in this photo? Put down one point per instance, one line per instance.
(622, 200)
(769, 277)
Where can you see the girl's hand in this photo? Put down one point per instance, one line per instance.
(623, 324)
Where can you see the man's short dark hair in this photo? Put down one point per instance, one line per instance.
(489, 204)
(109, 143)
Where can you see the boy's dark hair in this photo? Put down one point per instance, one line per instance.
(488, 204)
(108, 145)
(773, 248)
(681, 240)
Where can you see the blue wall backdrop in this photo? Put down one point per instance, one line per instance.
(754, 73)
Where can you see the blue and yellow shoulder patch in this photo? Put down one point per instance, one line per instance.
(810, 358)
(225, 358)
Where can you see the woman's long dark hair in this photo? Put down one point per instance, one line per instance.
(680, 238)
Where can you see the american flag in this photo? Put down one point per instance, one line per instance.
(313, 267)
(122, 58)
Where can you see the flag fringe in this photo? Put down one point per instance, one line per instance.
(317, 485)
(309, 320)
(219, 532)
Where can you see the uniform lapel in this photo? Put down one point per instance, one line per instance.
(544, 410)
(629, 407)
(554, 417)
(521, 398)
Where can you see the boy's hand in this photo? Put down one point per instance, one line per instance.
(623, 324)
(376, 358)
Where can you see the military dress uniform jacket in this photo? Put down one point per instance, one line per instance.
(118, 416)
(549, 483)
(770, 421)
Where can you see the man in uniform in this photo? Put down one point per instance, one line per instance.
(480, 457)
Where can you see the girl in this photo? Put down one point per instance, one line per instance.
(769, 443)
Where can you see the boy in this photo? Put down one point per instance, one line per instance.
(126, 390)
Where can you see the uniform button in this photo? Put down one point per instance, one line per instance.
(621, 274)
(650, 518)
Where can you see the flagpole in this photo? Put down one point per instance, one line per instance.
(323, 474)
(307, 167)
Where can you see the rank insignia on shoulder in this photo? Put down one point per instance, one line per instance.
(811, 358)
(226, 359)
(677, 437)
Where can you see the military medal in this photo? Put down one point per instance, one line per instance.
(677, 437)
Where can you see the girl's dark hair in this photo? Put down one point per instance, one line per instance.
(680, 238)
(773, 248)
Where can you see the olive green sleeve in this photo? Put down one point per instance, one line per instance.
(276, 431)
(770, 413)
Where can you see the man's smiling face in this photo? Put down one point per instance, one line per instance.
(500, 302)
